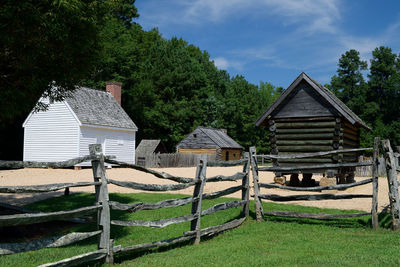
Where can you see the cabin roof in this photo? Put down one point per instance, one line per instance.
(147, 147)
(96, 107)
(216, 138)
(335, 102)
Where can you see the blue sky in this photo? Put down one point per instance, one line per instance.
(275, 40)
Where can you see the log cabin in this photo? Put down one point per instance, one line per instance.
(204, 140)
(308, 117)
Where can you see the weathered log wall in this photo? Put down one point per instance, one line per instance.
(305, 135)
(302, 136)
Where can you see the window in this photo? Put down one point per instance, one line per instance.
(227, 155)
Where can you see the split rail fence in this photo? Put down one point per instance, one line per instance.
(168, 160)
(103, 206)
(258, 196)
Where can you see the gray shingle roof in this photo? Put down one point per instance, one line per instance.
(147, 147)
(99, 108)
(324, 92)
(204, 137)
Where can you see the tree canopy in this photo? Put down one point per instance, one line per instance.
(375, 101)
(49, 47)
(170, 87)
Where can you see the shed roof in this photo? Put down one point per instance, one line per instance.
(211, 138)
(96, 107)
(147, 146)
(335, 102)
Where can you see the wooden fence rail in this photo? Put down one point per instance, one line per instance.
(168, 160)
(199, 182)
(43, 188)
(299, 168)
(317, 188)
(37, 164)
(103, 206)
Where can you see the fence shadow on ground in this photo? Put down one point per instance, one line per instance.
(125, 207)
(337, 223)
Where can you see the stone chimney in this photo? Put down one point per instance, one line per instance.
(114, 88)
(225, 131)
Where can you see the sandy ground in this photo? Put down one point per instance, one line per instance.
(50, 176)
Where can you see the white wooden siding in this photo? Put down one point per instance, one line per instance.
(118, 143)
(51, 135)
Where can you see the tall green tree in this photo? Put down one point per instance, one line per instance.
(374, 101)
(384, 82)
(46, 48)
(243, 104)
(49, 46)
(384, 93)
(349, 84)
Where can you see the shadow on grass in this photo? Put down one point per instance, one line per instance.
(135, 254)
(384, 220)
(338, 223)
(75, 201)
(139, 235)
(355, 222)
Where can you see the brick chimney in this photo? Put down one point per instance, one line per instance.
(114, 88)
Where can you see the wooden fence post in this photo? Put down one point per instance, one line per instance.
(254, 169)
(198, 196)
(246, 185)
(375, 167)
(393, 184)
(103, 216)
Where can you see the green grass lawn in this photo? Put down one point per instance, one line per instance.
(276, 241)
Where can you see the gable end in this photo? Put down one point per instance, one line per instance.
(303, 102)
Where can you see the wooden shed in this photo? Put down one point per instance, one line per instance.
(210, 141)
(308, 117)
(147, 149)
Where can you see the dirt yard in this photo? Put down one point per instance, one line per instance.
(50, 176)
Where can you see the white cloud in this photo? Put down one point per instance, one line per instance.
(366, 44)
(212, 10)
(221, 63)
(313, 15)
(224, 64)
(310, 15)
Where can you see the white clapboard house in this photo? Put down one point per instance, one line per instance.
(66, 129)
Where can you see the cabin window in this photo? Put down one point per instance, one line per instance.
(227, 155)
(194, 135)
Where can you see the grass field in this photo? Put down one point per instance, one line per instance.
(277, 241)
